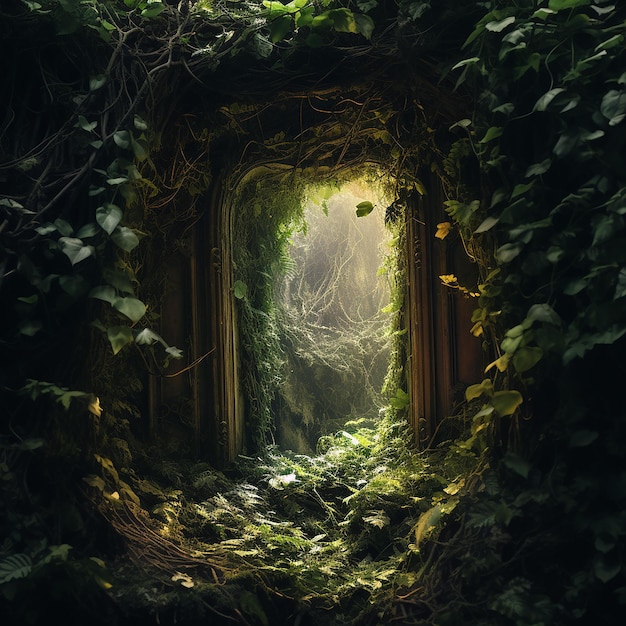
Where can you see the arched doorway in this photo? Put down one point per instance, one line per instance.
(293, 141)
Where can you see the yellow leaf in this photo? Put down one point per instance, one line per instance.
(448, 279)
(502, 363)
(94, 406)
(477, 329)
(443, 229)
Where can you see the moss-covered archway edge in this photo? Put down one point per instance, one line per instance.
(544, 142)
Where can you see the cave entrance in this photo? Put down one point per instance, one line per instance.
(334, 300)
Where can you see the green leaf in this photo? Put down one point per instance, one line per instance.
(465, 62)
(140, 148)
(343, 20)
(401, 400)
(153, 8)
(119, 336)
(132, 308)
(613, 106)
(612, 42)
(64, 228)
(487, 224)
(96, 82)
(492, 133)
(240, 289)
(119, 279)
(364, 208)
(88, 230)
(108, 217)
(105, 293)
(30, 328)
(85, 125)
(506, 402)
(125, 238)
(14, 567)
(280, 27)
(516, 463)
(508, 252)
(122, 139)
(526, 358)
(475, 391)
(74, 285)
(545, 100)
(75, 250)
(543, 313)
(559, 5)
(499, 25)
(582, 438)
(364, 25)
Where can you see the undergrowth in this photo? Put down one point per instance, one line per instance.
(340, 530)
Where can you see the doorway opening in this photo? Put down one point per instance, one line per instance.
(313, 267)
(334, 303)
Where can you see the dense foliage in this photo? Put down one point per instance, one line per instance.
(523, 523)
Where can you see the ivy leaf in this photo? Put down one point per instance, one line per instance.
(88, 230)
(343, 20)
(613, 106)
(125, 238)
(475, 391)
(119, 336)
(545, 100)
(119, 279)
(75, 250)
(132, 308)
(499, 25)
(97, 81)
(140, 148)
(506, 402)
(122, 139)
(108, 217)
(280, 27)
(104, 292)
(365, 25)
(174, 352)
(508, 252)
(543, 313)
(526, 358)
